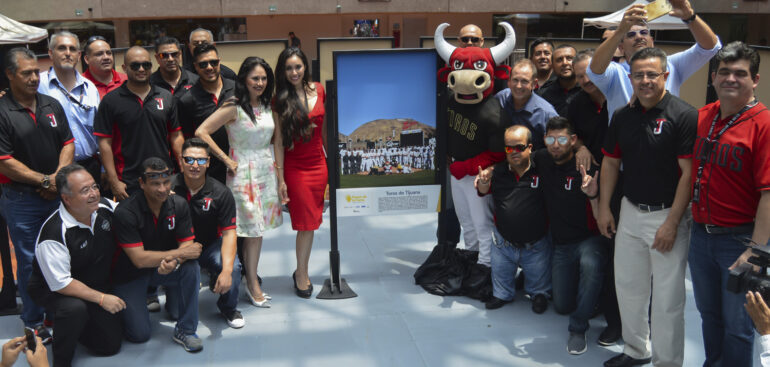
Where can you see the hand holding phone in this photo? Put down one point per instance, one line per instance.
(657, 9)
(29, 335)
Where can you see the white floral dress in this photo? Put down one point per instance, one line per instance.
(254, 185)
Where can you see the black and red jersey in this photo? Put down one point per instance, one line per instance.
(186, 81)
(212, 208)
(474, 128)
(520, 215)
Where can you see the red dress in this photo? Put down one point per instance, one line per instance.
(305, 172)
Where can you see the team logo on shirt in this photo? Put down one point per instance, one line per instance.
(535, 182)
(105, 225)
(658, 126)
(568, 185)
(206, 204)
(53, 120)
(160, 103)
(187, 87)
(171, 222)
(83, 245)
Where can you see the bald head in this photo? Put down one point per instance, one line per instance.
(137, 65)
(471, 36)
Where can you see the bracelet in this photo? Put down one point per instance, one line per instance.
(277, 166)
(593, 197)
(101, 300)
(690, 19)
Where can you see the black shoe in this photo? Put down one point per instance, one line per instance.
(42, 332)
(624, 360)
(301, 293)
(609, 336)
(539, 303)
(495, 303)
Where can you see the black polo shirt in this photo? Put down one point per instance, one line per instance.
(139, 129)
(520, 215)
(474, 128)
(212, 208)
(67, 249)
(137, 226)
(570, 217)
(186, 81)
(33, 138)
(557, 96)
(590, 122)
(197, 105)
(649, 143)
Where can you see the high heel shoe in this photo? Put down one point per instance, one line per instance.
(265, 303)
(302, 293)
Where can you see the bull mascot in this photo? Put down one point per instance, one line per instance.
(476, 124)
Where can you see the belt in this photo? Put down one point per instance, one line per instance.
(518, 244)
(650, 208)
(739, 229)
(15, 186)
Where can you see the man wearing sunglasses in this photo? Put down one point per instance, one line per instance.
(199, 37)
(519, 234)
(135, 122)
(205, 96)
(213, 215)
(633, 35)
(101, 71)
(155, 232)
(170, 74)
(471, 36)
(77, 95)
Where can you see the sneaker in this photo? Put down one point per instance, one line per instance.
(609, 336)
(191, 342)
(576, 344)
(539, 303)
(153, 305)
(42, 332)
(234, 319)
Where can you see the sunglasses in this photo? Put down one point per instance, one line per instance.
(204, 64)
(135, 66)
(518, 148)
(642, 32)
(93, 39)
(562, 140)
(193, 160)
(467, 39)
(166, 55)
(154, 175)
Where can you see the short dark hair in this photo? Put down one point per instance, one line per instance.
(539, 42)
(527, 62)
(62, 177)
(11, 59)
(559, 123)
(738, 50)
(154, 164)
(196, 143)
(565, 46)
(202, 49)
(583, 55)
(166, 41)
(649, 53)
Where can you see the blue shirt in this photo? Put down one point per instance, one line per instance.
(535, 114)
(616, 85)
(81, 120)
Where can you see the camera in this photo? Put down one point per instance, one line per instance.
(743, 278)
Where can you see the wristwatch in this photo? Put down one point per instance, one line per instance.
(690, 19)
(46, 182)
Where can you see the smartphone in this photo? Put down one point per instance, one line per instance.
(657, 9)
(29, 334)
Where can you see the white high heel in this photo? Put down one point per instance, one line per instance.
(263, 304)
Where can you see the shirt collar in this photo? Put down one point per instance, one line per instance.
(40, 102)
(79, 79)
(661, 105)
(70, 221)
(179, 183)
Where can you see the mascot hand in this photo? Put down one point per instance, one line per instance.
(459, 169)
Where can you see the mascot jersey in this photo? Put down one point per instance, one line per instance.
(474, 128)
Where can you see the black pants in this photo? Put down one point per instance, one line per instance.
(8, 293)
(78, 320)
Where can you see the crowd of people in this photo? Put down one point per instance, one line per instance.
(605, 186)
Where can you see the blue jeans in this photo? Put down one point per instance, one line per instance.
(535, 262)
(211, 260)
(578, 272)
(25, 213)
(728, 334)
(183, 284)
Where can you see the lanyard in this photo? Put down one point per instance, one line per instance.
(711, 143)
(72, 98)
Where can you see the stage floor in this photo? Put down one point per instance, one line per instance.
(392, 322)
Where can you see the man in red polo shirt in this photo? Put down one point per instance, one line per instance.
(98, 57)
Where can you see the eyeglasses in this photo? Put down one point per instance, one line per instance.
(467, 39)
(650, 75)
(642, 32)
(198, 43)
(166, 55)
(154, 175)
(135, 66)
(549, 140)
(93, 39)
(518, 148)
(204, 64)
(86, 190)
(192, 160)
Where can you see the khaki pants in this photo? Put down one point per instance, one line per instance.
(641, 272)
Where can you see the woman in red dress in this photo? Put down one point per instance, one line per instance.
(299, 106)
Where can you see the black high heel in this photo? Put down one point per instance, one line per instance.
(301, 293)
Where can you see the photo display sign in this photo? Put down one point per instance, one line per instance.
(386, 132)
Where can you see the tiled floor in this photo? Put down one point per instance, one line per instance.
(392, 322)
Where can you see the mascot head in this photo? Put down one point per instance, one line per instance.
(470, 71)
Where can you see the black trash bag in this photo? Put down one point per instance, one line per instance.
(449, 271)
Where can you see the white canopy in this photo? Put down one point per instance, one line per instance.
(12, 32)
(664, 22)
